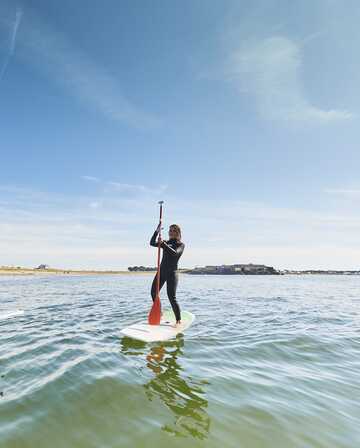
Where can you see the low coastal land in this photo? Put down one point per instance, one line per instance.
(261, 269)
(236, 269)
(5, 270)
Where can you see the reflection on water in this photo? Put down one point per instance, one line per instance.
(184, 397)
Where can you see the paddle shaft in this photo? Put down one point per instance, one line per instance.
(158, 255)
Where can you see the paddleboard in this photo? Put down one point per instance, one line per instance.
(142, 331)
(10, 314)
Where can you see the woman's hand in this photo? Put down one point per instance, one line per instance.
(158, 228)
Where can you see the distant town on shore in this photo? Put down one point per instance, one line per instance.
(247, 269)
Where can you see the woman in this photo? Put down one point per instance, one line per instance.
(172, 251)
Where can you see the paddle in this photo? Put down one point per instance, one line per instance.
(155, 312)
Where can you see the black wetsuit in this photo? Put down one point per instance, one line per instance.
(172, 251)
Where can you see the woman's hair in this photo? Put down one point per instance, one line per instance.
(177, 229)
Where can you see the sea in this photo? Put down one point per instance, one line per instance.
(270, 362)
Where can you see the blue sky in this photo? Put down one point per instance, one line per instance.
(243, 116)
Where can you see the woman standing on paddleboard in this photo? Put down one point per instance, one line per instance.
(172, 251)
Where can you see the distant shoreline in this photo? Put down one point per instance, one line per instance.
(36, 272)
(20, 271)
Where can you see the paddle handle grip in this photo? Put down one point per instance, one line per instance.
(161, 211)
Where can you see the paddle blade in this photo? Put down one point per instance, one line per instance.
(155, 312)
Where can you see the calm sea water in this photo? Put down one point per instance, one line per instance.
(270, 362)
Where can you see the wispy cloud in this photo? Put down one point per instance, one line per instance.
(91, 179)
(125, 189)
(112, 231)
(134, 190)
(343, 191)
(270, 69)
(69, 230)
(18, 16)
(315, 35)
(12, 42)
(56, 56)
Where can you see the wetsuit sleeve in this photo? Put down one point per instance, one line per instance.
(153, 241)
(174, 252)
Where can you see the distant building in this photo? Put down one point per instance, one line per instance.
(43, 267)
(235, 269)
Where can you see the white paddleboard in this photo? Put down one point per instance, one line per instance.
(166, 330)
(10, 314)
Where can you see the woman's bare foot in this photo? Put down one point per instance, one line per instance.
(178, 324)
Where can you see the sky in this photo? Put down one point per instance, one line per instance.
(243, 116)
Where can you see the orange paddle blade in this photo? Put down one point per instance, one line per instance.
(155, 312)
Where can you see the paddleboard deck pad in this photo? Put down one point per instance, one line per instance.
(142, 331)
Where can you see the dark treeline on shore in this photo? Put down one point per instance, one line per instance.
(141, 269)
